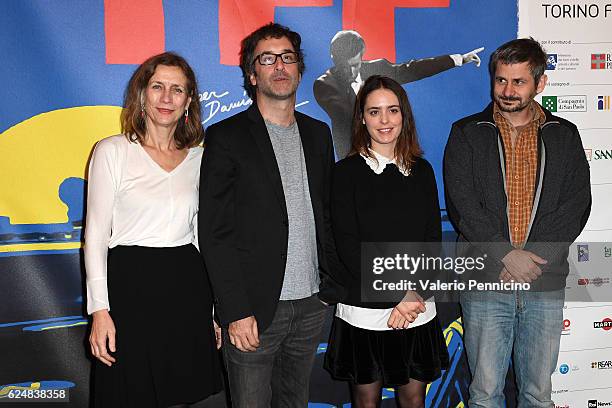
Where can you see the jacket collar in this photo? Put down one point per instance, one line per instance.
(487, 115)
(259, 132)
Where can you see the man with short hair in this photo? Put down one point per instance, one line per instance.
(336, 90)
(518, 190)
(264, 227)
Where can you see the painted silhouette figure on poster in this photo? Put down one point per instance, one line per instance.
(336, 89)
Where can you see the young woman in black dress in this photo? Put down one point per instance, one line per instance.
(384, 191)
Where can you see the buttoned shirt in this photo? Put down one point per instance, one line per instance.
(521, 165)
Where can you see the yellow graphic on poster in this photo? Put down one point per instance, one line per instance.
(43, 167)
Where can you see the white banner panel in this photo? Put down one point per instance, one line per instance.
(577, 37)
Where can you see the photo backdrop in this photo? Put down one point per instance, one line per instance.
(66, 64)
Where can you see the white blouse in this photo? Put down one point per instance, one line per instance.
(131, 200)
(376, 319)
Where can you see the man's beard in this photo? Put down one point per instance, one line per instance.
(266, 88)
(516, 108)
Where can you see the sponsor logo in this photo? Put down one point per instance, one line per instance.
(565, 103)
(598, 281)
(599, 154)
(603, 103)
(561, 62)
(583, 252)
(597, 403)
(602, 154)
(566, 368)
(551, 61)
(607, 252)
(566, 327)
(601, 61)
(602, 365)
(605, 324)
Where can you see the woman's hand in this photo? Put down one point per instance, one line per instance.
(102, 330)
(217, 335)
(406, 311)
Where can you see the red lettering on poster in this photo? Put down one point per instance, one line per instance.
(238, 18)
(375, 21)
(134, 30)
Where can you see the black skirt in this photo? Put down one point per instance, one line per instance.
(364, 356)
(161, 305)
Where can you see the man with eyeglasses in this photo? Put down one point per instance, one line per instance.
(264, 227)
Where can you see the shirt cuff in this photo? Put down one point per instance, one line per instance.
(457, 59)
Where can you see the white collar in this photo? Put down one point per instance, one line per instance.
(379, 162)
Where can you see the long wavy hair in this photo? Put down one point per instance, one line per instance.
(133, 124)
(407, 148)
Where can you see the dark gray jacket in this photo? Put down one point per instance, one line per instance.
(474, 178)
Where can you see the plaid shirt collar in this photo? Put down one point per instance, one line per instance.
(538, 114)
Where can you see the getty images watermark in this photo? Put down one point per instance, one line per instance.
(423, 265)
(389, 269)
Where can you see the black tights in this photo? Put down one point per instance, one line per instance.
(411, 395)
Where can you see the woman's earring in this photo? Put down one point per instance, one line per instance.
(186, 115)
(142, 111)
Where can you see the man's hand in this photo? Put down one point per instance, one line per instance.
(523, 265)
(472, 56)
(504, 276)
(102, 330)
(243, 334)
(406, 311)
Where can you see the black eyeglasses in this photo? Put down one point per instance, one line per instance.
(269, 58)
